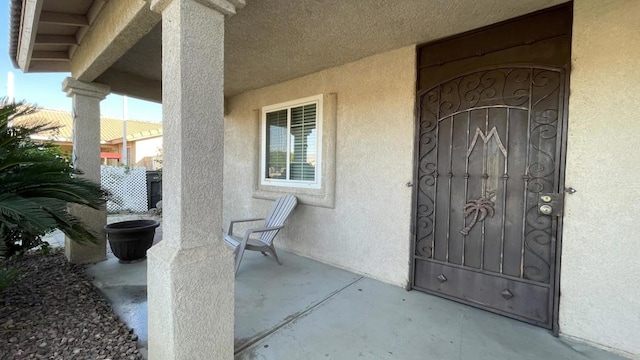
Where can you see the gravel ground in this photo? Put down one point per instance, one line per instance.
(54, 312)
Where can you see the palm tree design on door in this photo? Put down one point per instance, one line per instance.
(481, 209)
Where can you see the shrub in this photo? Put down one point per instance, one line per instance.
(36, 185)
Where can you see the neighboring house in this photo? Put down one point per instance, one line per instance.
(431, 145)
(144, 139)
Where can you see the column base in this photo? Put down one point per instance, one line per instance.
(85, 253)
(88, 252)
(190, 296)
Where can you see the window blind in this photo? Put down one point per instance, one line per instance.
(276, 146)
(303, 143)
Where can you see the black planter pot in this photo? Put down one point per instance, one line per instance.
(130, 240)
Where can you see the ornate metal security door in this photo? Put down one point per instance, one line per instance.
(489, 149)
(489, 174)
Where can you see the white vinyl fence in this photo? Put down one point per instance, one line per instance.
(128, 188)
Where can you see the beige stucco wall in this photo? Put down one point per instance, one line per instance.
(600, 299)
(147, 148)
(368, 231)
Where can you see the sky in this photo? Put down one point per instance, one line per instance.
(45, 89)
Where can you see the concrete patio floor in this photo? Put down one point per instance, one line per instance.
(308, 310)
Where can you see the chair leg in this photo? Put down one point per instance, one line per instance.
(263, 253)
(273, 251)
(239, 253)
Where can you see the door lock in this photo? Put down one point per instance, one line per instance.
(550, 204)
(545, 209)
(545, 198)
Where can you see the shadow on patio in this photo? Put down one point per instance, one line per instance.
(308, 310)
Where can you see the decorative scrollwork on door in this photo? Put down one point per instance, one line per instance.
(427, 173)
(486, 149)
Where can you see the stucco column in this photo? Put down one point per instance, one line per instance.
(190, 273)
(86, 99)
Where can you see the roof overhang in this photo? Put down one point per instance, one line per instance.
(47, 34)
(145, 135)
(119, 43)
(110, 155)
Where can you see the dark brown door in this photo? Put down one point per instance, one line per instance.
(490, 123)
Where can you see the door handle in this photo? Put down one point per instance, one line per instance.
(545, 209)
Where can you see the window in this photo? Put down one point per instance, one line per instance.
(291, 143)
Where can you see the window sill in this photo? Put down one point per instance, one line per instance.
(313, 197)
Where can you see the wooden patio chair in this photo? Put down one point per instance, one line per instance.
(263, 239)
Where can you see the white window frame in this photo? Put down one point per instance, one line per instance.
(317, 184)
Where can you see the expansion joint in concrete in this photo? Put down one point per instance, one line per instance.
(293, 318)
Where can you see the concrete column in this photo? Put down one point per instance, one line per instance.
(86, 99)
(190, 273)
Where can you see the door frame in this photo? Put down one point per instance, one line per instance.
(561, 159)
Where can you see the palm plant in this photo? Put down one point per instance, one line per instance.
(36, 185)
(7, 275)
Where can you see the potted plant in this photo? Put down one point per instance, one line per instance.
(130, 240)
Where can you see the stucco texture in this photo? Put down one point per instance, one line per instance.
(190, 273)
(146, 151)
(368, 230)
(600, 290)
(86, 99)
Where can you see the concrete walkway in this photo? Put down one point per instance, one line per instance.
(308, 310)
(334, 314)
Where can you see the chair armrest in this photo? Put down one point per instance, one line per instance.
(230, 231)
(248, 233)
(263, 229)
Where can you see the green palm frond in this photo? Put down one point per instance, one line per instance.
(3, 249)
(72, 226)
(24, 213)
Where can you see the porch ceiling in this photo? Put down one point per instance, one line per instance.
(270, 41)
(50, 32)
